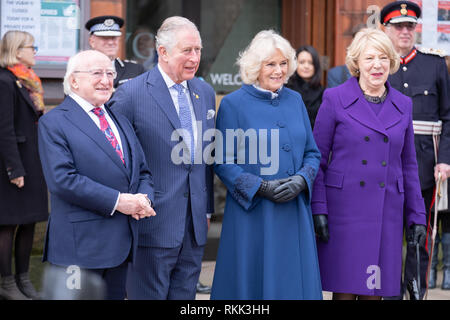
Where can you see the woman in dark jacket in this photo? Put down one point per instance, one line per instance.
(306, 80)
(23, 191)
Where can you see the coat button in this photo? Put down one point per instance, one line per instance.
(366, 138)
(281, 124)
(286, 147)
(386, 139)
(406, 85)
(275, 102)
(382, 184)
(186, 194)
(364, 162)
(362, 183)
(425, 92)
(405, 68)
(384, 163)
(290, 172)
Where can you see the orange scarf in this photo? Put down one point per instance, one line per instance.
(31, 81)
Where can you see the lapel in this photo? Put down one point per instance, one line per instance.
(200, 113)
(359, 109)
(158, 90)
(80, 119)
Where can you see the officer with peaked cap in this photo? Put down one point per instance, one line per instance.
(104, 37)
(422, 76)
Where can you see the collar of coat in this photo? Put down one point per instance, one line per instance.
(394, 107)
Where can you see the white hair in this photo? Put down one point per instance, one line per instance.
(262, 47)
(74, 63)
(167, 33)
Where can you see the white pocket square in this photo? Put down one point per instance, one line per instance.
(211, 113)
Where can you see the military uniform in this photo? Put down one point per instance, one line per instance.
(424, 78)
(126, 70)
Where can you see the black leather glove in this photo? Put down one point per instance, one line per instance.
(321, 226)
(418, 234)
(290, 188)
(267, 189)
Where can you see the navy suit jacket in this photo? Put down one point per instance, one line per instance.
(146, 102)
(84, 176)
(337, 75)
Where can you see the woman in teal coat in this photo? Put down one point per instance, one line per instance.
(268, 163)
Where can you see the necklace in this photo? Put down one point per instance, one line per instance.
(376, 99)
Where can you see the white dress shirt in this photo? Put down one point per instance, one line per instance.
(174, 95)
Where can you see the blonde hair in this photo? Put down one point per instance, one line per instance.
(10, 44)
(379, 40)
(260, 49)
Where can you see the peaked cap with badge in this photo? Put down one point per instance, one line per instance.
(400, 11)
(109, 26)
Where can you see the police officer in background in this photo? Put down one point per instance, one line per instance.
(104, 37)
(423, 77)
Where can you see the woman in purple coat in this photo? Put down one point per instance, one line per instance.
(367, 177)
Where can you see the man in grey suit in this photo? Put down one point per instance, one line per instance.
(170, 110)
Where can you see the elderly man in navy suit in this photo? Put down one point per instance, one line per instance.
(96, 172)
(164, 105)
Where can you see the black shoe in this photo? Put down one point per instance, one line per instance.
(203, 289)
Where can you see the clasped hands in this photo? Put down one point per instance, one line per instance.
(282, 190)
(137, 206)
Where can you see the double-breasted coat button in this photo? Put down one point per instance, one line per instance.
(362, 183)
(364, 162)
(382, 184)
(384, 163)
(406, 85)
(405, 68)
(425, 92)
(386, 139)
(366, 138)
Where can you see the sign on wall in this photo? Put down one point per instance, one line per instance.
(54, 25)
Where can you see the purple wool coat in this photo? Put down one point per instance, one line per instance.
(367, 179)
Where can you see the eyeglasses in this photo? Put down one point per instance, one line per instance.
(35, 48)
(98, 74)
(410, 26)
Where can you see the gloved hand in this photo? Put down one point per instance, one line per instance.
(267, 189)
(290, 188)
(321, 227)
(418, 234)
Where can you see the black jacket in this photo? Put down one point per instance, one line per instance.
(19, 155)
(312, 97)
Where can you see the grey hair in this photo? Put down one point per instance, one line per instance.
(74, 63)
(166, 35)
(260, 49)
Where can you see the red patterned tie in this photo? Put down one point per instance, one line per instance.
(104, 126)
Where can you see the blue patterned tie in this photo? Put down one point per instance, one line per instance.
(185, 116)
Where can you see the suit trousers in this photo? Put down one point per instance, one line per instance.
(167, 273)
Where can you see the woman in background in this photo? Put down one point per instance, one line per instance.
(306, 80)
(23, 191)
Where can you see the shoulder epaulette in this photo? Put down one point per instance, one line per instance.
(436, 52)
